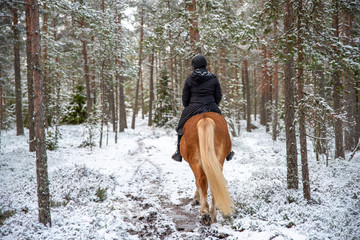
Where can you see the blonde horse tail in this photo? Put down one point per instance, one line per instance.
(212, 166)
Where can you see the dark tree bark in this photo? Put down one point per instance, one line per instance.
(57, 88)
(41, 156)
(243, 105)
(172, 79)
(120, 79)
(86, 71)
(320, 126)
(275, 90)
(349, 90)
(111, 101)
(339, 144)
(116, 106)
(171, 68)
(142, 94)
(358, 115)
(263, 115)
(139, 71)
(194, 27)
(222, 77)
(45, 69)
(17, 70)
(93, 82)
(1, 100)
(302, 119)
(122, 112)
(30, 87)
(268, 92)
(255, 94)
(151, 87)
(291, 148)
(248, 103)
(103, 111)
(319, 82)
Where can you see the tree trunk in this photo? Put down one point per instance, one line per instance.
(248, 104)
(194, 27)
(1, 104)
(255, 94)
(17, 70)
(120, 79)
(263, 115)
(349, 91)
(86, 71)
(243, 102)
(291, 148)
(358, 114)
(268, 95)
(103, 112)
(142, 94)
(222, 79)
(320, 145)
(93, 81)
(41, 156)
(57, 87)
(171, 68)
(339, 144)
(275, 90)
(172, 81)
(32, 145)
(122, 110)
(111, 101)
(139, 71)
(45, 69)
(300, 89)
(151, 87)
(116, 107)
(320, 125)
(237, 97)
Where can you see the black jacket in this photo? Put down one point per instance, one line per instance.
(201, 93)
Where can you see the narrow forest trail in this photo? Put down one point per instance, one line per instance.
(152, 184)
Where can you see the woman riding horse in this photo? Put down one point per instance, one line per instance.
(201, 93)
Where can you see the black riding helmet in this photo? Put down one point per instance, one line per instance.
(199, 61)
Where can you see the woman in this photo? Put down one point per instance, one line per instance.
(201, 93)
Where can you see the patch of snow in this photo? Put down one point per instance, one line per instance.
(146, 195)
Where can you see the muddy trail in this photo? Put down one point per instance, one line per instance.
(156, 216)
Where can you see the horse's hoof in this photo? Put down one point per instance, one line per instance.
(206, 219)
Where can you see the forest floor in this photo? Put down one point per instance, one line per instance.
(133, 190)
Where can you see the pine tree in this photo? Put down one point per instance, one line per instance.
(291, 149)
(17, 70)
(163, 106)
(39, 116)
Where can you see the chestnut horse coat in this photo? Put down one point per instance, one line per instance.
(205, 145)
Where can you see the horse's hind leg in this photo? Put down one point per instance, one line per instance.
(204, 210)
(213, 208)
(201, 192)
(196, 199)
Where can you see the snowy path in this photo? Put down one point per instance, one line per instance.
(148, 196)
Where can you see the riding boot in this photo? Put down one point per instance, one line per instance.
(177, 156)
(230, 156)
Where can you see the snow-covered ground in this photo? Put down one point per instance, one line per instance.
(148, 195)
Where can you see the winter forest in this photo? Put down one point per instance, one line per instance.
(90, 96)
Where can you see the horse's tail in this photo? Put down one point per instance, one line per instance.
(212, 167)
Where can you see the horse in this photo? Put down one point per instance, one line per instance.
(204, 145)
